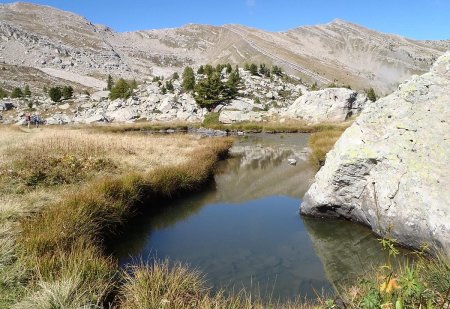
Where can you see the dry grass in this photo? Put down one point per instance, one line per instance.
(159, 285)
(64, 221)
(289, 126)
(321, 143)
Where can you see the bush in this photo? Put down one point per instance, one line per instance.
(67, 92)
(16, 93)
(55, 94)
(371, 95)
(201, 70)
(175, 76)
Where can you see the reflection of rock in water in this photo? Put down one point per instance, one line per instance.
(346, 249)
(263, 170)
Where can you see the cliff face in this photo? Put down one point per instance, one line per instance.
(390, 169)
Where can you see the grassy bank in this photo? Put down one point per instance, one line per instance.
(321, 143)
(288, 126)
(66, 190)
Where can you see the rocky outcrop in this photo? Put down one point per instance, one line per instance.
(332, 104)
(390, 170)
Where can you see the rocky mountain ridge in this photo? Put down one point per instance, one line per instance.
(42, 37)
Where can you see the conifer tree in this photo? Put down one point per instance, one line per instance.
(371, 95)
(27, 91)
(109, 83)
(16, 93)
(188, 79)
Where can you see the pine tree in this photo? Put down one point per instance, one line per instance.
(210, 91)
(55, 94)
(209, 70)
(169, 86)
(314, 87)
(67, 92)
(16, 93)
(163, 90)
(109, 83)
(27, 91)
(276, 70)
(229, 68)
(175, 76)
(232, 84)
(201, 70)
(247, 67)
(188, 79)
(121, 90)
(371, 95)
(253, 69)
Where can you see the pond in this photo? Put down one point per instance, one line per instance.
(244, 230)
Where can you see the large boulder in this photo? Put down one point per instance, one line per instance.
(390, 169)
(328, 105)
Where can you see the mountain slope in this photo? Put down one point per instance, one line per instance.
(44, 37)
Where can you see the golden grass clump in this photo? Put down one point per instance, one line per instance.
(321, 143)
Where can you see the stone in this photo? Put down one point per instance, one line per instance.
(328, 105)
(389, 170)
(100, 95)
(292, 162)
(228, 117)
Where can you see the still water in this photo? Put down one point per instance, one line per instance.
(244, 230)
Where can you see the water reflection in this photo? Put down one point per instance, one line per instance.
(244, 230)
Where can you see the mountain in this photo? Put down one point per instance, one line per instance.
(59, 44)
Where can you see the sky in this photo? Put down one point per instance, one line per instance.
(418, 19)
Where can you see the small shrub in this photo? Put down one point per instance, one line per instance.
(55, 94)
(16, 93)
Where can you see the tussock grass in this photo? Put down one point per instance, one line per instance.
(160, 285)
(321, 143)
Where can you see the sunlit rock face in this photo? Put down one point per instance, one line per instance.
(390, 169)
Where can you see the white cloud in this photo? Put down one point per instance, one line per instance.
(250, 3)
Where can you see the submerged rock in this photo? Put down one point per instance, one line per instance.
(390, 169)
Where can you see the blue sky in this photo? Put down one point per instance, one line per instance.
(419, 19)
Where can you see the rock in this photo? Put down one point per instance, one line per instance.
(57, 119)
(389, 170)
(292, 162)
(332, 104)
(5, 106)
(228, 117)
(100, 96)
(122, 115)
(64, 106)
